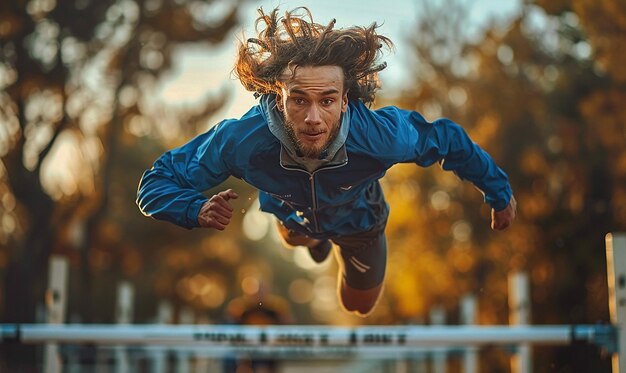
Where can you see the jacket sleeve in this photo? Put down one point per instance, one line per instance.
(446, 142)
(172, 189)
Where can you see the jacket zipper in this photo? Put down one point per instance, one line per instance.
(314, 199)
(312, 184)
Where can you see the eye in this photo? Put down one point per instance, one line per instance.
(299, 101)
(327, 101)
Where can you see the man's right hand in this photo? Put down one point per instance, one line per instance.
(217, 211)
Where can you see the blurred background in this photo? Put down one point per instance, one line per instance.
(92, 92)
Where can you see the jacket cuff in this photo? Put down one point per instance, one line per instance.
(501, 200)
(500, 204)
(192, 212)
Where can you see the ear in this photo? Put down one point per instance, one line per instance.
(344, 102)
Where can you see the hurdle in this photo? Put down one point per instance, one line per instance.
(313, 340)
(308, 335)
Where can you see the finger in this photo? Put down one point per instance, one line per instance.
(503, 224)
(207, 222)
(216, 224)
(496, 224)
(228, 194)
(222, 202)
(220, 219)
(222, 210)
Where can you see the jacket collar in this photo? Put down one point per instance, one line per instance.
(334, 155)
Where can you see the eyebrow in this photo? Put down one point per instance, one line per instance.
(324, 93)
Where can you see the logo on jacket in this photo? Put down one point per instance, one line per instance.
(281, 196)
(346, 188)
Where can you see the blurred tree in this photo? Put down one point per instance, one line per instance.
(542, 97)
(75, 87)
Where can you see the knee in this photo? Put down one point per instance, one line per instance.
(359, 302)
(292, 238)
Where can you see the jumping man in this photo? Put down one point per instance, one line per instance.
(316, 152)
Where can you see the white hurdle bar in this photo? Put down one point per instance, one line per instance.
(309, 335)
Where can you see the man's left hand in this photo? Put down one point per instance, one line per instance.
(502, 219)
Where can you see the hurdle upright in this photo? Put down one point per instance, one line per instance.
(616, 277)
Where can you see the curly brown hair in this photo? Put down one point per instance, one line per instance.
(295, 40)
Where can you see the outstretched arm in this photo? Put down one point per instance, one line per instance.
(447, 143)
(172, 189)
(405, 136)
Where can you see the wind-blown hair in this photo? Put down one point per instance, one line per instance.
(295, 40)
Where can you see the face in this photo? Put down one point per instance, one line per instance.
(312, 102)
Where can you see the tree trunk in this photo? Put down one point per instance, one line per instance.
(24, 282)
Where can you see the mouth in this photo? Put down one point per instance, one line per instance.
(312, 136)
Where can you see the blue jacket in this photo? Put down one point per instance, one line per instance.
(340, 194)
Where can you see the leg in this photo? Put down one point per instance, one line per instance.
(318, 249)
(359, 302)
(362, 260)
(292, 238)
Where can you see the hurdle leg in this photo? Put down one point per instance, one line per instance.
(123, 315)
(439, 354)
(519, 308)
(56, 300)
(468, 317)
(616, 276)
(205, 364)
(183, 358)
(159, 353)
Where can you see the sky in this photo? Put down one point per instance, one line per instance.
(198, 71)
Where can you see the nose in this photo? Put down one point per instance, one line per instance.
(313, 116)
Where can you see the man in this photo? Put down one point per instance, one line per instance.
(316, 152)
